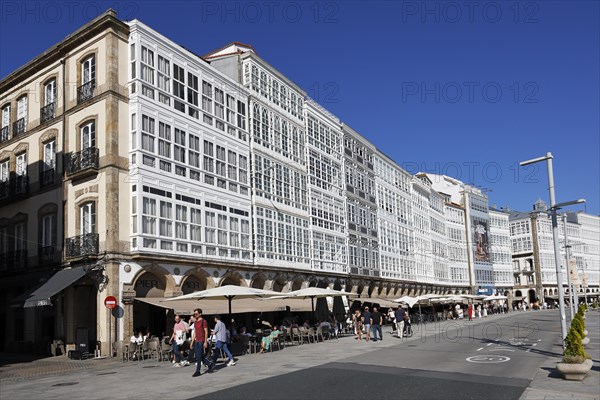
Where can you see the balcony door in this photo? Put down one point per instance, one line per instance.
(50, 92)
(88, 71)
(88, 218)
(88, 135)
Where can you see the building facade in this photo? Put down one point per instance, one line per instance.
(132, 167)
(534, 266)
(63, 159)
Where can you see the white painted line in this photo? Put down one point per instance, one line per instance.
(500, 349)
(535, 344)
(489, 344)
(479, 349)
(539, 340)
(528, 350)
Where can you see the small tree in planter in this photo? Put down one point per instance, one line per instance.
(575, 363)
(579, 324)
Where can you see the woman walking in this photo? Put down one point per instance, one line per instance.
(357, 319)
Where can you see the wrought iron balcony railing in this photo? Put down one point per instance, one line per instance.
(19, 127)
(47, 112)
(13, 260)
(21, 185)
(82, 245)
(83, 160)
(14, 186)
(47, 177)
(47, 254)
(85, 91)
(4, 134)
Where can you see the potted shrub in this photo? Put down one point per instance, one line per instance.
(575, 363)
(579, 325)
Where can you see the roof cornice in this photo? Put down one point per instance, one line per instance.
(103, 22)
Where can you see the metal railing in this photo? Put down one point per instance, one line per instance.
(82, 160)
(13, 260)
(85, 91)
(47, 112)
(19, 126)
(47, 177)
(4, 134)
(82, 245)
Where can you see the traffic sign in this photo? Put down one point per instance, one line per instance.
(110, 302)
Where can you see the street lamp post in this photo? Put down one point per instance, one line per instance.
(572, 294)
(553, 208)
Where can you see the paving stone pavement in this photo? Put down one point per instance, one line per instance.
(60, 378)
(548, 383)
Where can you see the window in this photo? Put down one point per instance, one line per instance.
(165, 224)
(48, 225)
(194, 151)
(206, 97)
(6, 118)
(50, 92)
(181, 222)
(49, 164)
(164, 80)
(208, 157)
(195, 222)
(4, 171)
(179, 87)
(164, 141)
(88, 135)
(241, 109)
(21, 115)
(3, 240)
(192, 89)
(21, 164)
(147, 73)
(20, 237)
(149, 216)
(88, 70)
(209, 235)
(219, 104)
(179, 146)
(88, 218)
(49, 155)
(148, 133)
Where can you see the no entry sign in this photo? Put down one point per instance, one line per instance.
(110, 302)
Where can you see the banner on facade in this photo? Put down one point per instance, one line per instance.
(573, 275)
(584, 280)
(481, 241)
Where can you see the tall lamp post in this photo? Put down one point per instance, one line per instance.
(553, 207)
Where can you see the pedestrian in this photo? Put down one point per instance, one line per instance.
(357, 320)
(220, 332)
(391, 317)
(178, 338)
(367, 322)
(376, 322)
(200, 340)
(470, 311)
(399, 322)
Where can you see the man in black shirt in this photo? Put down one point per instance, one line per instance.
(376, 321)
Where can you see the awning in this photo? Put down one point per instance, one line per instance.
(385, 303)
(59, 281)
(240, 306)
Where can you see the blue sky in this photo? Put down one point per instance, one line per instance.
(463, 88)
